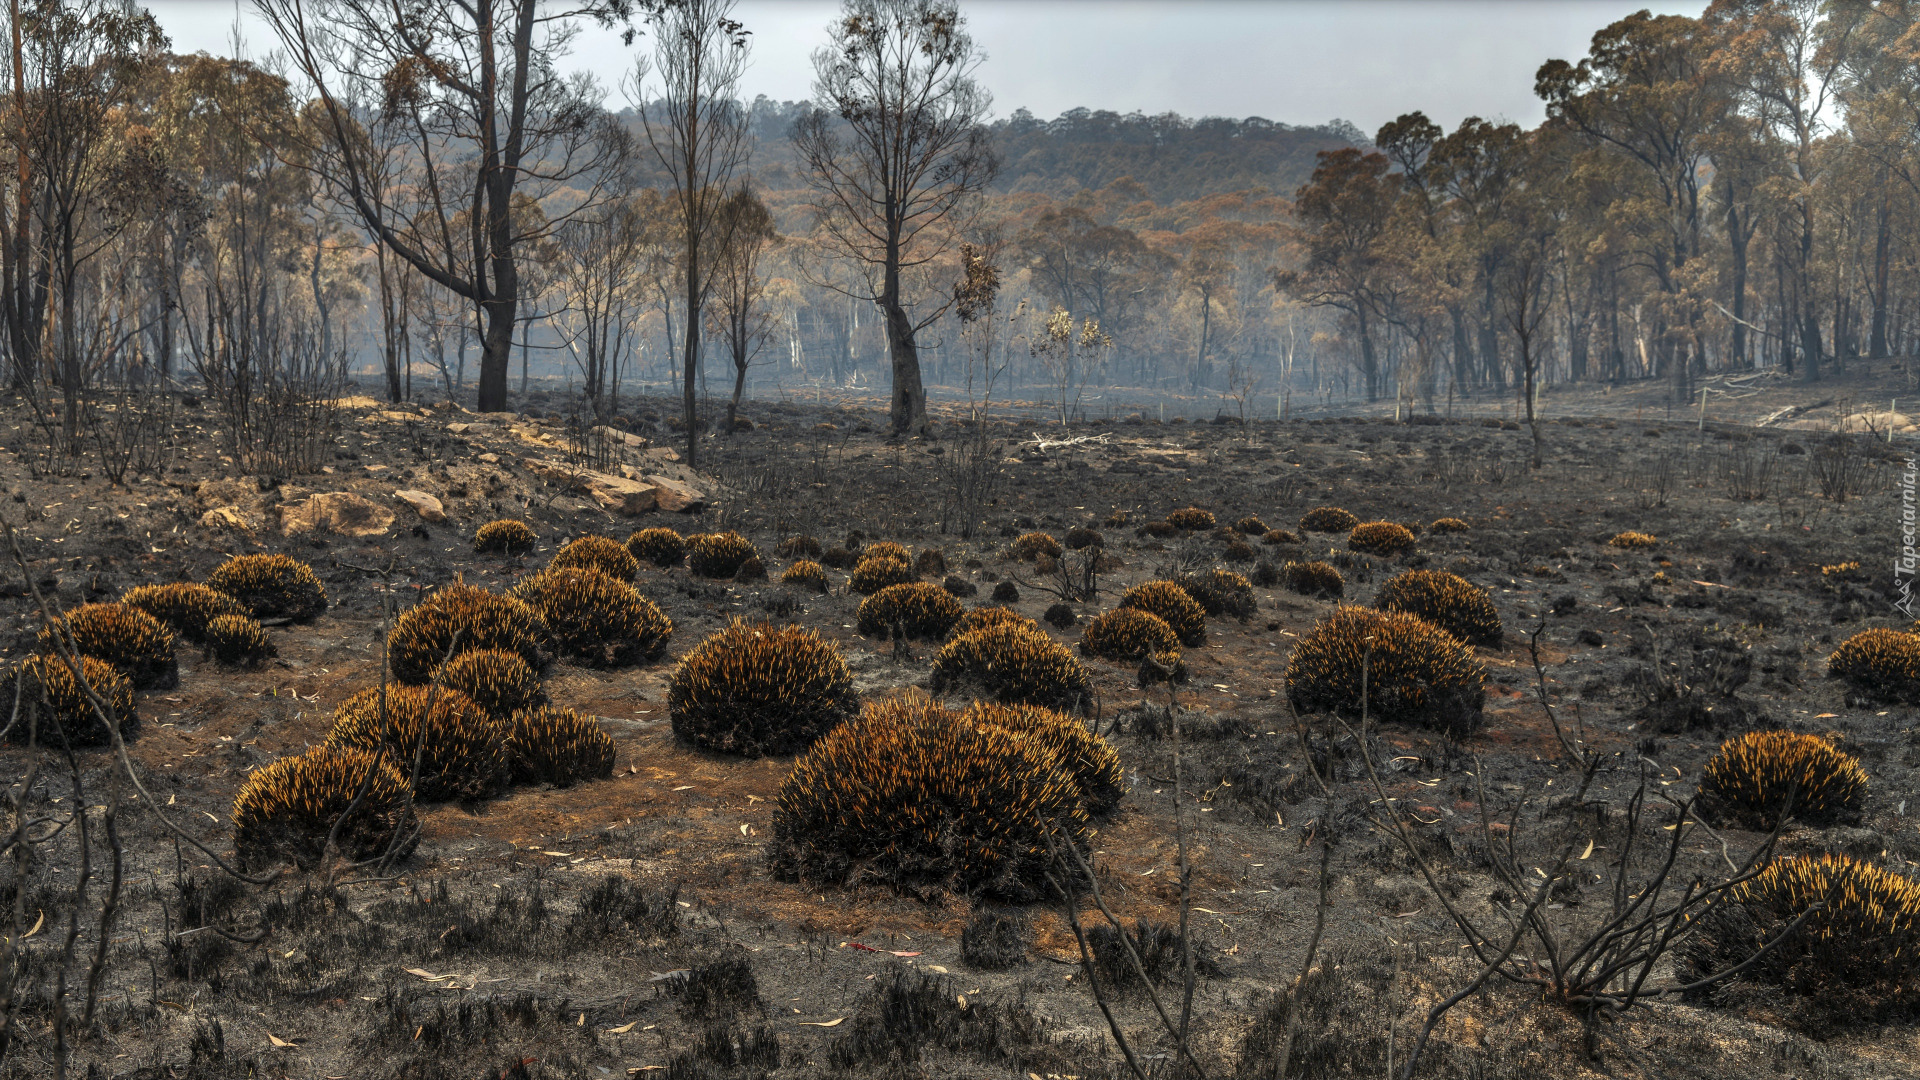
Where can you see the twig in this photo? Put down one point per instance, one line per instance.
(1186, 891)
(1486, 971)
(1133, 955)
(1306, 749)
(1306, 965)
(1093, 977)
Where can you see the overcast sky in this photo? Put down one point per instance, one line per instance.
(1294, 61)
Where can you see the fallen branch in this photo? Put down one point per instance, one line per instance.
(1042, 443)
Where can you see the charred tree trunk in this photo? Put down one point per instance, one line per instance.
(1882, 269)
(1737, 239)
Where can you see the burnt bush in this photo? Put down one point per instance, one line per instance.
(616, 906)
(1158, 948)
(1343, 1029)
(995, 939)
(909, 1011)
(1689, 684)
(718, 989)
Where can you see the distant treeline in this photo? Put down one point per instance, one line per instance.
(1171, 158)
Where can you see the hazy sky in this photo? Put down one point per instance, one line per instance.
(1294, 61)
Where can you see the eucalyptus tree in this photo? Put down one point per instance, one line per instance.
(892, 152)
(697, 130)
(488, 122)
(739, 312)
(77, 62)
(1341, 218)
(1644, 94)
(600, 295)
(1784, 69)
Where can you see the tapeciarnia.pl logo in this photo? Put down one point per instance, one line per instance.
(1909, 560)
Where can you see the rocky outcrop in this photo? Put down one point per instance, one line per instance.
(338, 512)
(635, 494)
(425, 505)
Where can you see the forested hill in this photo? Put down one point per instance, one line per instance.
(1172, 158)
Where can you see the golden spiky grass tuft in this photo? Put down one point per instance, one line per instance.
(1380, 538)
(1275, 537)
(1165, 666)
(718, 555)
(1191, 519)
(1448, 601)
(134, 642)
(238, 641)
(1631, 540)
(1413, 671)
(982, 617)
(1220, 592)
(915, 608)
(805, 574)
(271, 586)
(1750, 777)
(1033, 545)
(463, 749)
(876, 572)
(1088, 758)
(287, 809)
(507, 536)
(1442, 526)
(1313, 578)
(658, 545)
(886, 549)
(1328, 519)
(595, 619)
(1015, 664)
(598, 553)
(1880, 665)
(560, 747)
(760, 689)
(1128, 634)
(911, 795)
(1177, 609)
(1251, 525)
(423, 633)
(38, 682)
(499, 681)
(1850, 962)
(184, 605)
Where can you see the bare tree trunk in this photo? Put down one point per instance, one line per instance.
(320, 305)
(1369, 363)
(1809, 315)
(22, 305)
(1462, 352)
(1529, 375)
(739, 388)
(1882, 267)
(69, 347)
(1201, 376)
(389, 321)
(689, 392)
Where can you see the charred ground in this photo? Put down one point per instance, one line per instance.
(633, 924)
